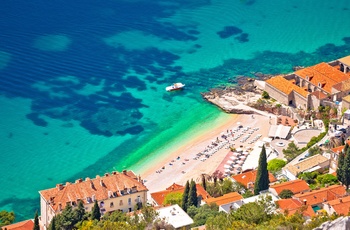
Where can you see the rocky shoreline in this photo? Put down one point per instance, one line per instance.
(239, 98)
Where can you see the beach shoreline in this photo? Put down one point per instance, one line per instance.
(180, 165)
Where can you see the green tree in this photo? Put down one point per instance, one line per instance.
(346, 170)
(185, 196)
(95, 212)
(6, 218)
(80, 211)
(262, 177)
(327, 179)
(36, 221)
(265, 95)
(66, 219)
(286, 193)
(192, 196)
(315, 150)
(173, 198)
(275, 165)
(341, 159)
(291, 151)
(52, 225)
(203, 213)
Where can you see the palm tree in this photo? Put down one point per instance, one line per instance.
(335, 142)
(204, 177)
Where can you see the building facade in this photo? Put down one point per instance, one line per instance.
(115, 191)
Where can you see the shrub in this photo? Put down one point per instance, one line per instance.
(275, 165)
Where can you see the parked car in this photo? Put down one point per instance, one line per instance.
(343, 130)
(301, 159)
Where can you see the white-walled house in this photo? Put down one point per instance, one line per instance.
(115, 191)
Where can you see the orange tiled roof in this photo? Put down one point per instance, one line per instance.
(293, 205)
(323, 74)
(322, 195)
(23, 225)
(159, 197)
(174, 186)
(286, 86)
(342, 86)
(249, 177)
(101, 188)
(296, 186)
(341, 206)
(225, 199)
(319, 95)
(339, 148)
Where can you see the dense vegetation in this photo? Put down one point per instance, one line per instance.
(275, 165)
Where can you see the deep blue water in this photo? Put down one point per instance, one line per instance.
(100, 69)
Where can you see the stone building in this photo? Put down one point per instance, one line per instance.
(115, 191)
(310, 87)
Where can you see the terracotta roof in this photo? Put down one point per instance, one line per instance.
(323, 74)
(174, 186)
(319, 95)
(346, 98)
(342, 86)
(249, 177)
(23, 225)
(99, 188)
(296, 186)
(286, 86)
(345, 60)
(159, 197)
(339, 148)
(321, 195)
(225, 199)
(306, 164)
(294, 205)
(341, 206)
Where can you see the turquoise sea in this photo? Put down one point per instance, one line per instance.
(82, 83)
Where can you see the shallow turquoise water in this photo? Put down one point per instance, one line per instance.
(82, 84)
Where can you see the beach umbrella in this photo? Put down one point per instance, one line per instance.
(235, 154)
(229, 162)
(245, 153)
(242, 157)
(227, 170)
(239, 150)
(233, 157)
(240, 162)
(227, 166)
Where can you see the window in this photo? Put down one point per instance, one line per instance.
(121, 202)
(129, 201)
(111, 205)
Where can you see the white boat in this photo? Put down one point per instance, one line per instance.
(175, 86)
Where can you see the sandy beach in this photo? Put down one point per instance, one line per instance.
(183, 164)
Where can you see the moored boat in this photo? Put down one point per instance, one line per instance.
(175, 86)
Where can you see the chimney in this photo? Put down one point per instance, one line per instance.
(106, 174)
(79, 181)
(124, 172)
(59, 186)
(101, 183)
(59, 207)
(87, 179)
(304, 201)
(340, 200)
(114, 173)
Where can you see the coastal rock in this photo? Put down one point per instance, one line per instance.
(340, 223)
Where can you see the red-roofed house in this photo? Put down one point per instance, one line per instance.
(23, 225)
(225, 199)
(116, 191)
(247, 179)
(296, 186)
(340, 206)
(335, 155)
(291, 206)
(319, 196)
(310, 87)
(158, 197)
